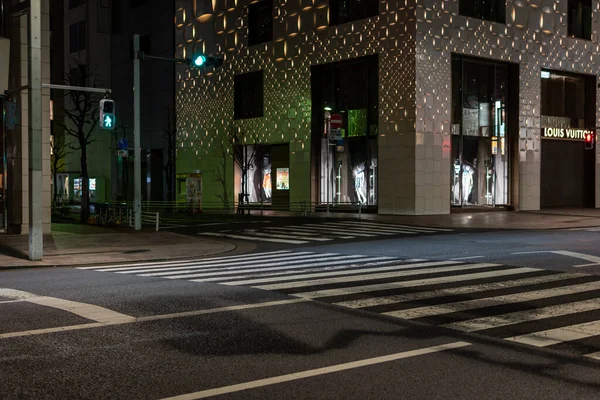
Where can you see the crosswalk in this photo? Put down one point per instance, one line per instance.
(319, 232)
(532, 306)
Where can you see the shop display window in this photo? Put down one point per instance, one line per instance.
(480, 157)
(257, 184)
(283, 179)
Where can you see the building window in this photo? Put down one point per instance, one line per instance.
(490, 10)
(75, 3)
(78, 75)
(248, 95)
(580, 19)
(136, 3)
(260, 22)
(77, 36)
(342, 11)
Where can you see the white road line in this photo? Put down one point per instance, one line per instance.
(211, 264)
(152, 318)
(373, 230)
(312, 231)
(282, 231)
(276, 235)
(342, 261)
(414, 283)
(199, 260)
(295, 272)
(253, 238)
(388, 230)
(559, 335)
(515, 298)
(402, 298)
(595, 355)
(89, 311)
(369, 268)
(422, 228)
(593, 259)
(517, 317)
(321, 258)
(466, 258)
(438, 267)
(318, 229)
(317, 372)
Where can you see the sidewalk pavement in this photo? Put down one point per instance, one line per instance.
(470, 218)
(71, 245)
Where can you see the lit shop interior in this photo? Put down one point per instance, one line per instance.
(345, 164)
(481, 155)
(568, 104)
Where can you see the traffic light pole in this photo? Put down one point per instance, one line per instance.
(137, 151)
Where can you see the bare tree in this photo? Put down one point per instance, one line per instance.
(220, 173)
(58, 151)
(243, 155)
(81, 119)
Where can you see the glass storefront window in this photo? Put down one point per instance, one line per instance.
(347, 167)
(480, 170)
(257, 185)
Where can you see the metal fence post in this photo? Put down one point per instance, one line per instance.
(157, 219)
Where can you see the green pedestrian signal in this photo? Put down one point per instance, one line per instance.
(202, 60)
(107, 114)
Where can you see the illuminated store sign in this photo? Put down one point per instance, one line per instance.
(565, 133)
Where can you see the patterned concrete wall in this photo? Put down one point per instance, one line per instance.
(414, 40)
(535, 36)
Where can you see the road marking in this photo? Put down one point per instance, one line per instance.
(220, 309)
(402, 298)
(200, 260)
(422, 228)
(519, 317)
(595, 260)
(260, 239)
(11, 301)
(414, 283)
(150, 318)
(318, 371)
(595, 355)
(88, 311)
(516, 298)
(238, 270)
(559, 335)
(360, 278)
(466, 258)
(206, 264)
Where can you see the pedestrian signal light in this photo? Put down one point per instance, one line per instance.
(589, 141)
(107, 114)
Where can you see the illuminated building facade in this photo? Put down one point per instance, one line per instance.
(442, 103)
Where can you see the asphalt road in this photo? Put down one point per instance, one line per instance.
(269, 326)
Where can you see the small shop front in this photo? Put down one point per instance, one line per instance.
(483, 106)
(568, 114)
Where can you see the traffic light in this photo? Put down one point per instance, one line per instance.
(201, 60)
(107, 114)
(589, 141)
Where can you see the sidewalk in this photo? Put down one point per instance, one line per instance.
(83, 245)
(471, 218)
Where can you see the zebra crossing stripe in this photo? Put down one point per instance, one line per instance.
(259, 268)
(311, 231)
(438, 267)
(315, 239)
(385, 228)
(200, 260)
(415, 283)
(397, 226)
(224, 262)
(345, 272)
(559, 335)
(515, 298)
(283, 231)
(363, 229)
(403, 298)
(518, 317)
(260, 239)
(319, 228)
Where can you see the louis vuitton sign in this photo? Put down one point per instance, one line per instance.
(565, 133)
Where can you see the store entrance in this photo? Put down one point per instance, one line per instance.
(480, 173)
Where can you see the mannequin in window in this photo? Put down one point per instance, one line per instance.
(360, 184)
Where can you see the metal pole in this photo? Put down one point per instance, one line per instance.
(34, 39)
(137, 151)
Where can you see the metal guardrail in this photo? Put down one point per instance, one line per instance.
(121, 213)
